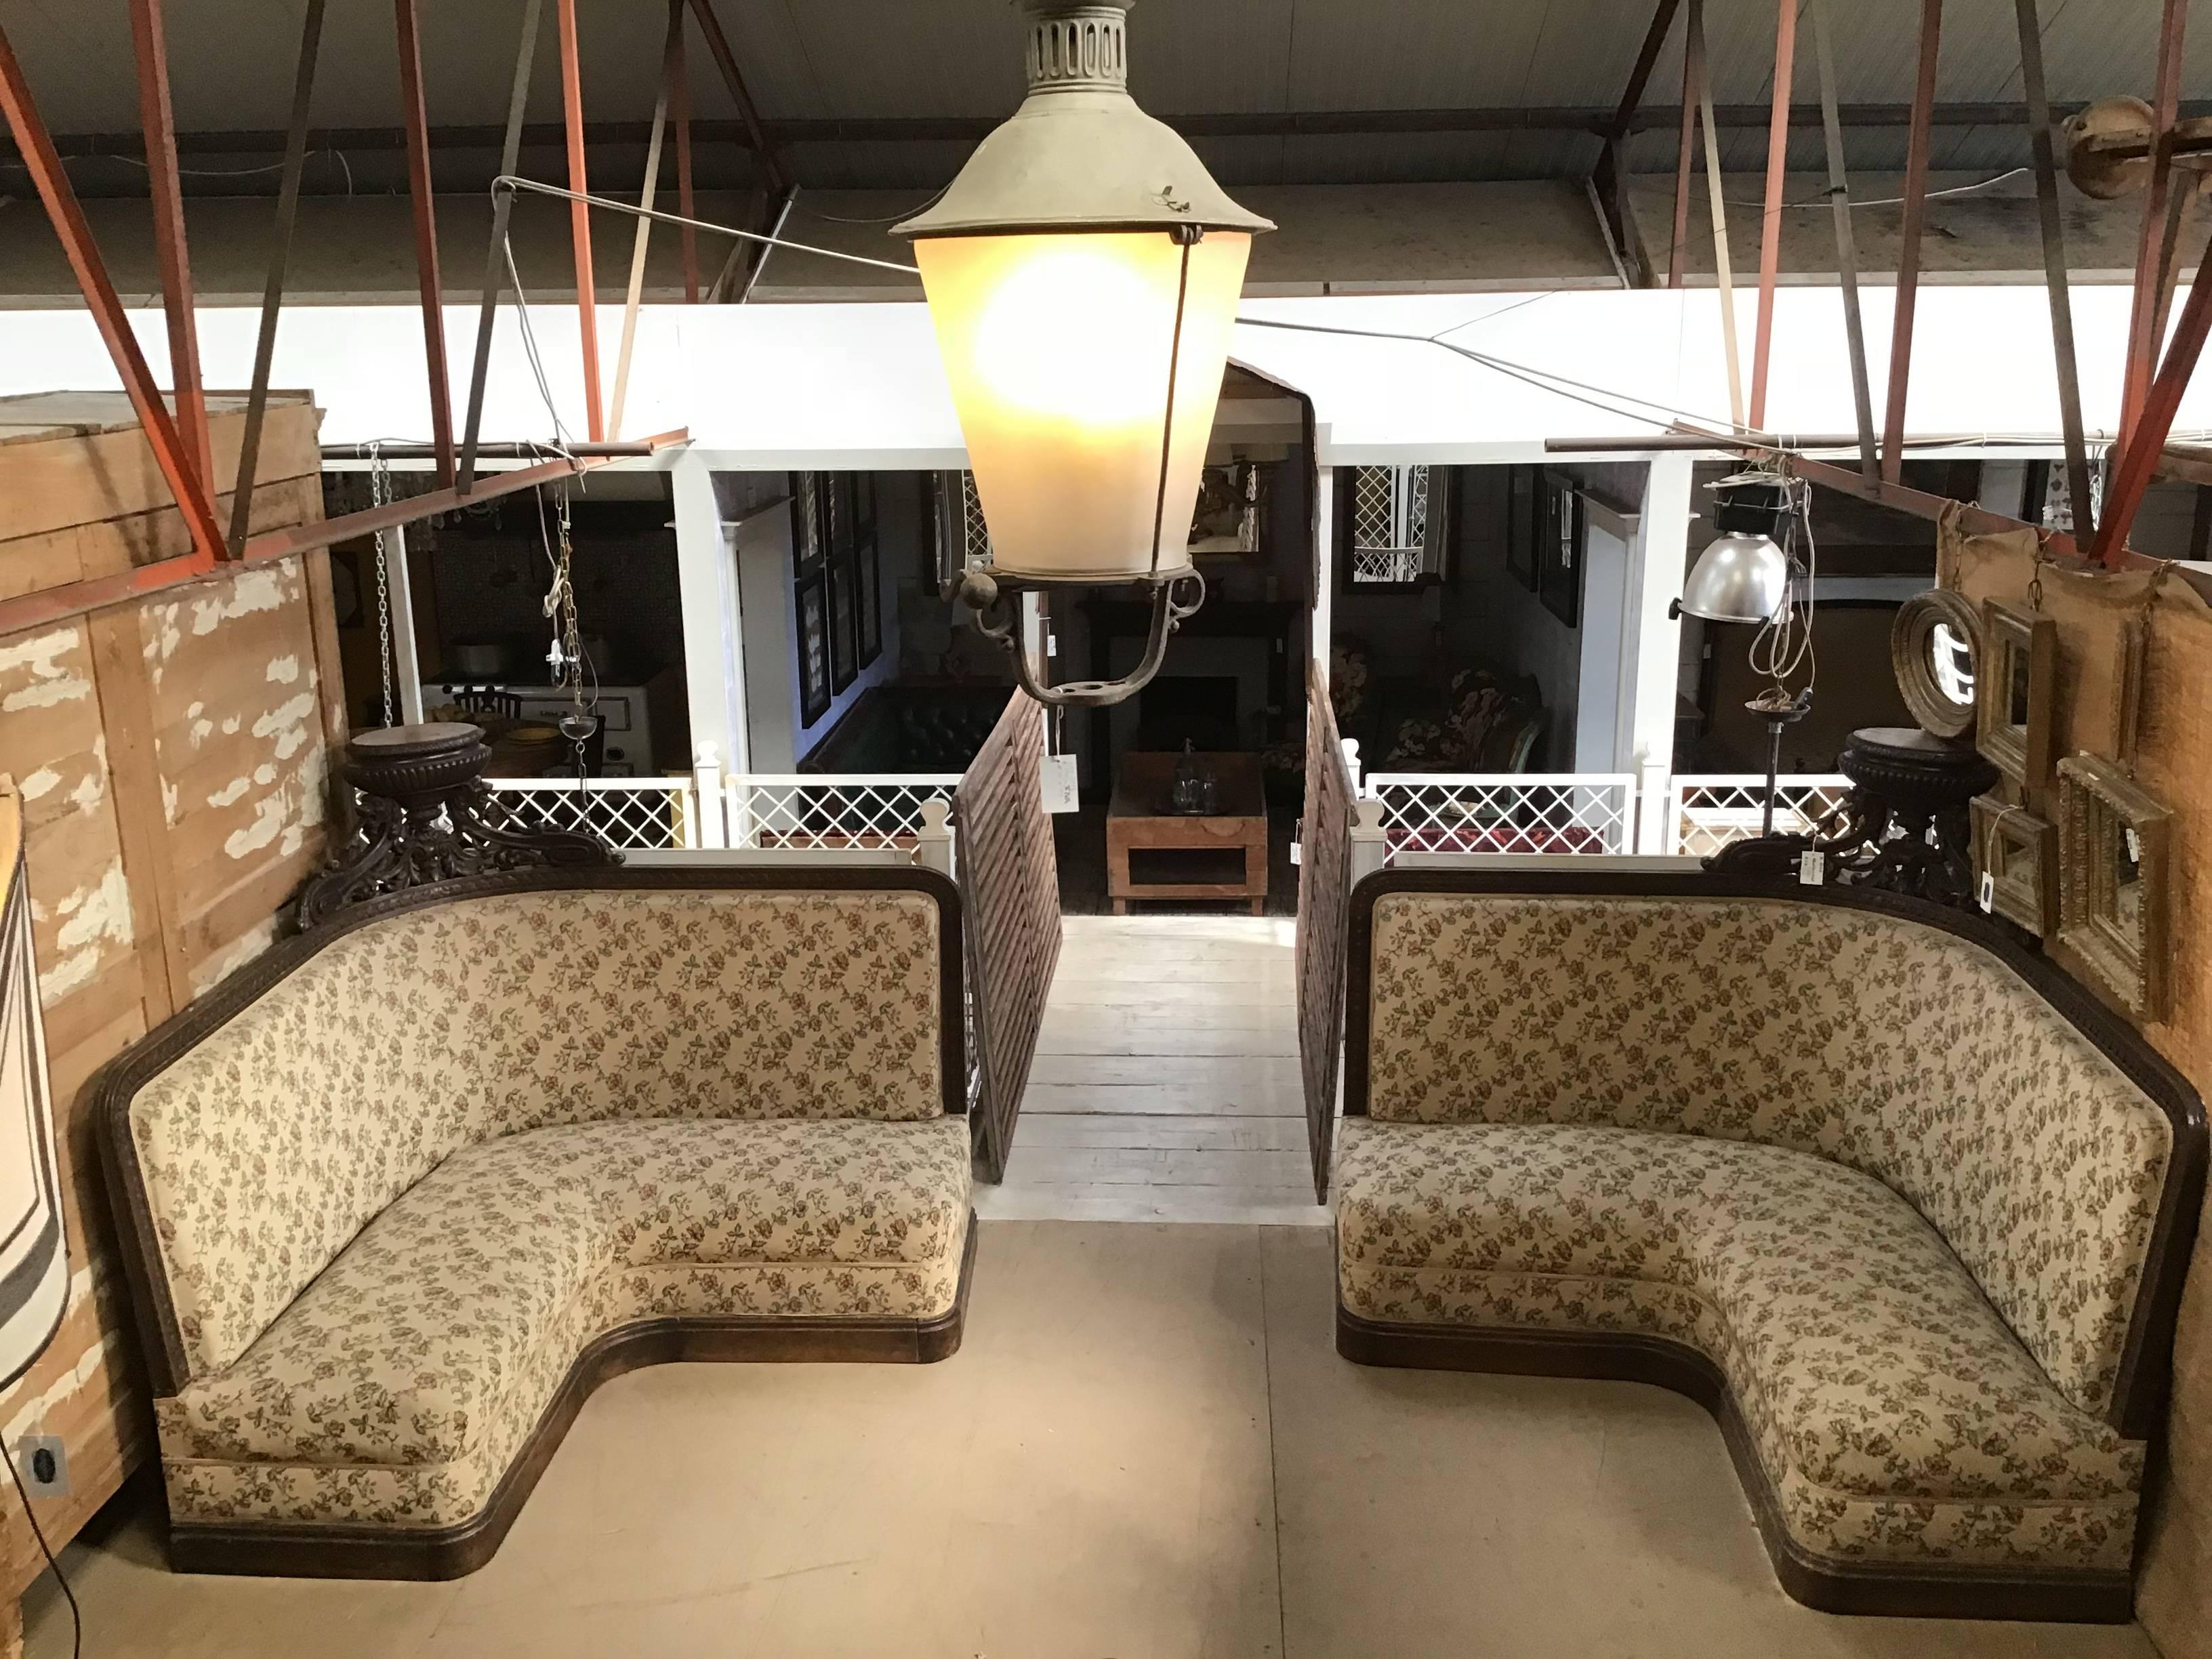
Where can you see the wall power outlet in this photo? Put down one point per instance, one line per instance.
(42, 1461)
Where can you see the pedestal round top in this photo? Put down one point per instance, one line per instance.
(390, 743)
(1910, 743)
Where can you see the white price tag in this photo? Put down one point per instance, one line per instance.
(1056, 776)
(1294, 855)
(2134, 846)
(1988, 897)
(1812, 867)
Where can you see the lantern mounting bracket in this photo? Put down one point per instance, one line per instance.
(995, 597)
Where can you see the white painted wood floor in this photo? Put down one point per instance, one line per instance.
(1166, 1085)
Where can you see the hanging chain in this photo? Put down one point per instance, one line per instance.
(2035, 577)
(567, 654)
(380, 494)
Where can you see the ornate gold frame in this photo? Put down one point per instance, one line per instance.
(2103, 817)
(2018, 852)
(1909, 637)
(2016, 643)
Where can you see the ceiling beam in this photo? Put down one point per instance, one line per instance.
(963, 129)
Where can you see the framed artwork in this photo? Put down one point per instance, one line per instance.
(814, 665)
(844, 576)
(806, 537)
(841, 503)
(1521, 527)
(1226, 519)
(863, 509)
(1559, 553)
(2016, 854)
(2114, 840)
(870, 608)
(2021, 662)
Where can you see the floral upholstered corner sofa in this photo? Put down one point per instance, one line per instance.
(1899, 1203)
(398, 1195)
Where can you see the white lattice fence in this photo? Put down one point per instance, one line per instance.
(1705, 812)
(643, 813)
(827, 813)
(1489, 812)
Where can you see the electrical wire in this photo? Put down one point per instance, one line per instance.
(936, 196)
(530, 346)
(76, 1613)
(1824, 200)
(511, 182)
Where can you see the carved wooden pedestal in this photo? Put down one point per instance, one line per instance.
(426, 815)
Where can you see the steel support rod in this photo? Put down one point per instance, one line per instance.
(1693, 95)
(272, 295)
(640, 244)
(2147, 314)
(580, 216)
(1908, 256)
(172, 254)
(50, 180)
(1769, 228)
(495, 281)
(2054, 269)
(2145, 446)
(679, 112)
(1847, 254)
(424, 204)
(710, 27)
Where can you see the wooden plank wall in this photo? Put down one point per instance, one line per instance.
(2174, 1588)
(1324, 913)
(1009, 895)
(172, 753)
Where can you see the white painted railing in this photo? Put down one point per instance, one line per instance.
(1491, 812)
(1705, 812)
(821, 812)
(805, 811)
(639, 814)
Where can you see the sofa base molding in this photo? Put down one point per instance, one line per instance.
(1822, 1582)
(309, 1550)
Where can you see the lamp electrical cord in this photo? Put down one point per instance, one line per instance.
(77, 1613)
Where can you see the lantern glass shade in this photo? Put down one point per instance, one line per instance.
(34, 1253)
(1058, 348)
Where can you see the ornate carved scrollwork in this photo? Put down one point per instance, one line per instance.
(1904, 828)
(426, 815)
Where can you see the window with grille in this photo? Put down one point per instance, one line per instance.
(963, 541)
(1393, 529)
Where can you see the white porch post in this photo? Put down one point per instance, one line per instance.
(1659, 558)
(707, 797)
(713, 651)
(1325, 593)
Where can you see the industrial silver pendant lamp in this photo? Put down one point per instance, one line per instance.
(1743, 574)
(1083, 273)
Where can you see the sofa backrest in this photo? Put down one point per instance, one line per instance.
(256, 1135)
(2043, 1140)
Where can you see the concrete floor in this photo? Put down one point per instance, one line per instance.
(1147, 1449)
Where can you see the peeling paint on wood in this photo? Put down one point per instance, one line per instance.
(172, 758)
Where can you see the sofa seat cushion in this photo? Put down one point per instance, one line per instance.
(1892, 1408)
(440, 1335)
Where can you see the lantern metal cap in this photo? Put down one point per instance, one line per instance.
(1079, 155)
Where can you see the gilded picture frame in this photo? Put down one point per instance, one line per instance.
(2115, 839)
(2016, 673)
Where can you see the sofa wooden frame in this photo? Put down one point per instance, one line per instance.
(324, 1550)
(2139, 1395)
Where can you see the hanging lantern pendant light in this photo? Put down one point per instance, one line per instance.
(1083, 273)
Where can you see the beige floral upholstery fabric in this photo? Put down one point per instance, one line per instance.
(1886, 1045)
(1895, 1415)
(274, 1141)
(399, 1387)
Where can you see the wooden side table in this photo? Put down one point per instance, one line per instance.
(1137, 820)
